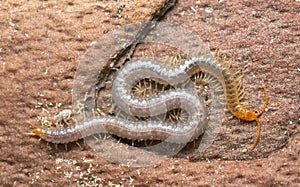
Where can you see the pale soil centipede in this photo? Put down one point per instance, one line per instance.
(231, 85)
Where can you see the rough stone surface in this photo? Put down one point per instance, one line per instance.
(42, 43)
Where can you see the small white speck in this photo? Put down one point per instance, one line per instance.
(64, 115)
(58, 105)
(93, 43)
(11, 24)
(111, 65)
(208, 10)
(80, 175)
(58, 160)
(131, 180)
(44, 110)
(68, 175)
(87, 161)
(193, 9)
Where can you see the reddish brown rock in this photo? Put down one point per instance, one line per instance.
(42, 43)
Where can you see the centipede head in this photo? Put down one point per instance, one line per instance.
(250, 115)
(36, 132)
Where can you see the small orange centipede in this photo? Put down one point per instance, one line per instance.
(234, 93)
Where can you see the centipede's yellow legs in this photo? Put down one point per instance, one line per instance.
(257, 121)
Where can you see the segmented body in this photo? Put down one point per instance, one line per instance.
(156, 105)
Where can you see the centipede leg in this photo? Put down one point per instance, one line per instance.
(151, 142)
(95, 137)
(78, 145)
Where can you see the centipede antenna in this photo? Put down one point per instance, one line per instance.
(29, 133)
(257, 135)
(266, 101)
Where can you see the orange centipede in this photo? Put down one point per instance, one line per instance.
(234, 93)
